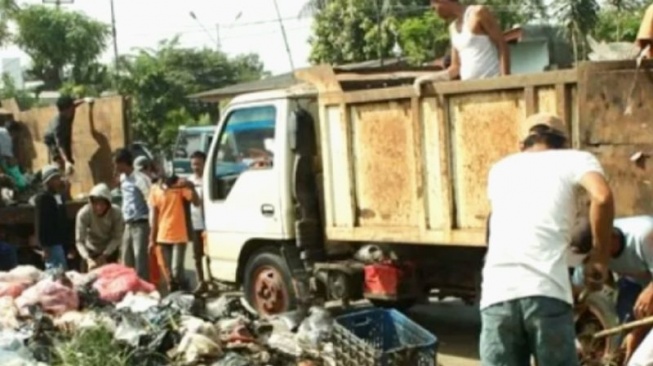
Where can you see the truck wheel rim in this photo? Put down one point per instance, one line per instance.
(590, 322)
(270, 294)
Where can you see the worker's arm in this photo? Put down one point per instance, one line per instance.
(491, 27)
(190, 194)
(118, 229)
(454, 68)
(81, 232)
(644, 304)
(601, 213)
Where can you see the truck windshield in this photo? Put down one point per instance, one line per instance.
(187, 144)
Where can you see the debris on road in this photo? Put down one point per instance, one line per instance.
(111, 317)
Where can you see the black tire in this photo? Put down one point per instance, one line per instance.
(269, 261)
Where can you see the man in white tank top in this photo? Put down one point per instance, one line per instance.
(526, 298)
(479, 49)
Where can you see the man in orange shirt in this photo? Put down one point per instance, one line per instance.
(171, 224)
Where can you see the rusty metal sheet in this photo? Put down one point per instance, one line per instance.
(486, 128)
(386, 185)
(604, 99)
(631, 183)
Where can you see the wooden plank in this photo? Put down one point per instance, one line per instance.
(420, 179)
(345, 77)
(530, 99)
(445, 136)
(409, 235)
(563, 104)
(438, 211)
(506, 82)
(321, 77)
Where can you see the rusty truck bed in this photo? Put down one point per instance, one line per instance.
(407, 169)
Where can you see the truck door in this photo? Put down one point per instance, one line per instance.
(241, 183)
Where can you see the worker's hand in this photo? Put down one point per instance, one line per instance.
(644, 304)
(151, 245)
(417, 84)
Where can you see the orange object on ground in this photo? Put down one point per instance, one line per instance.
(155, 269)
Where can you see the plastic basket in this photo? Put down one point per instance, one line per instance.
(380, 337)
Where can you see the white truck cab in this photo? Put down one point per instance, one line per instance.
(248, 195)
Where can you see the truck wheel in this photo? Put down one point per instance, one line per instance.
(598, 314)
(268, 284)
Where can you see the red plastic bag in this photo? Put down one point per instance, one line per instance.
(115, 281)
(12, 289)
(382, 279)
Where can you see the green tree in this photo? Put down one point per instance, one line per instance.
(619, 20)
(9, 90)
(63, 45)
(423, 38)
(579, 17)
(159, 81)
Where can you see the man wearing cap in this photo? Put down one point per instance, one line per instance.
(526, 297)
(58, 136)
(99, 228)
(51, 221)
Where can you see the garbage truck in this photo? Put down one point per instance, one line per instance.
(360, 158)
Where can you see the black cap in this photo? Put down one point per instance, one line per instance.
(65, 102)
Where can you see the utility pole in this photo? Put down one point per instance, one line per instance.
(285, 38)
(115, 43)
(217, 32)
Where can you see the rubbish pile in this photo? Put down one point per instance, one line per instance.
(110, 317)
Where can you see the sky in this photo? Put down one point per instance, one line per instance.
(245, 26)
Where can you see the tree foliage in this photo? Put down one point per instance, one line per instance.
(63, 45)
(348, 31)
(159, 82)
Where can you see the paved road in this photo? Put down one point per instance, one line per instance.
(456, 325)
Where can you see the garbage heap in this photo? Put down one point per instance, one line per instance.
(110, 317)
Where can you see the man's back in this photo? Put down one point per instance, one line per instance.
(635, 260)
(171, 212)
(533, 209)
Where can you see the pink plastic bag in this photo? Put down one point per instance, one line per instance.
(114, 281)
(53, 297)
(12, 289)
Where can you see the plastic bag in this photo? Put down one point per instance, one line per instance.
(81, 279)
(12, 289)
(8, 314)
(137, 303)
(23, 274)
(315, 330)
(192, 325)
(233, 359)
(196, 347)
(53, 297)
(13, 350)
(115, 281)
(185, 303)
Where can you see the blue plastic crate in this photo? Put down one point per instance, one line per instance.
(380, 337)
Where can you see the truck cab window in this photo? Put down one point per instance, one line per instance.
(244, 144)
(187, 144)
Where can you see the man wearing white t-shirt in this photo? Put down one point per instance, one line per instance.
(197, 160)
(526, 299)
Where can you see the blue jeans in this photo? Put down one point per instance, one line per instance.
(55, 257)
(541, 327)
(629, 291)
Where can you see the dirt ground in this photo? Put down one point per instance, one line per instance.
(457, 328)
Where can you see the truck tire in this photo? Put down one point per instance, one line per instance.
(268, 284)
(598, 314)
